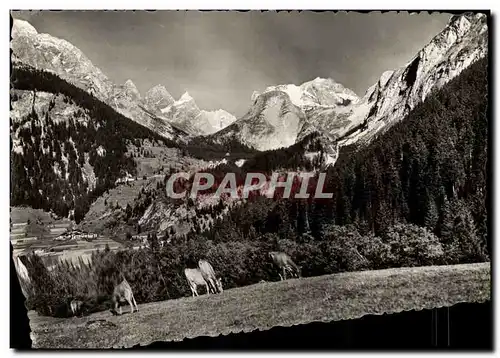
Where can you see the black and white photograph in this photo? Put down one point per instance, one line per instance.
(184, 174)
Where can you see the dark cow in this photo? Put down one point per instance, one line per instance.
(209, 275)
(123, 294)
(284, 264)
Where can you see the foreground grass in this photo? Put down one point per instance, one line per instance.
(262, 306)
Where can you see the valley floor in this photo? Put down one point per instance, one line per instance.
(261, 306)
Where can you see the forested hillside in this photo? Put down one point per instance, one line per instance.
(205, 148)
(429, 170)
(49, 150)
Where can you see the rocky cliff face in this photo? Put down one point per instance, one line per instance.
(272, 122)
(463, 41)
(158, 98)
(49, 53)
(284, 114)
(46, 52)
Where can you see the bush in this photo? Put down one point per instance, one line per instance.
(411, 245)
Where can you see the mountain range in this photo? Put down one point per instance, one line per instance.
(157, 110)
(284, 114)
(281, 115)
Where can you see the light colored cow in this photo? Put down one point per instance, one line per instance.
(195, 279)
(121, 294)
(209, 275)
(285, 263)
(76, 307)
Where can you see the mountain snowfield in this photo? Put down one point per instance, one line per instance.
(43, 51)
(284, 114)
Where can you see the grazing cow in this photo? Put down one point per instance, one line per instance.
(76, 307)
(195, 279)
(209, 275)
(285, 263)
(122, 294)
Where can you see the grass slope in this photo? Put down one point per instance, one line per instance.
(262, 306)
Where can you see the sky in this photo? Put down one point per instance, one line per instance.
(221, 58)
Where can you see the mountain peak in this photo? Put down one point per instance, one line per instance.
(131, 90)
(130, 84)
(321, 80)
(185, 97)
(24, 27)
(158, 88)
(158, 97)
(317, 92)
(467, 16)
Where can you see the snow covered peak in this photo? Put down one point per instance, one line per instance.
(386, 76)
(49, 53)
(131, 85)
(284, 114)
(158, 97)
(185, 113)
(186, 103)
(212, 121)
(185, 98)
(43, 51)
(21, 27)
(320, 81)
(132, 90)
(317, 92)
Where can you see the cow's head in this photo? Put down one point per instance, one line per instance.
(218, 282)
